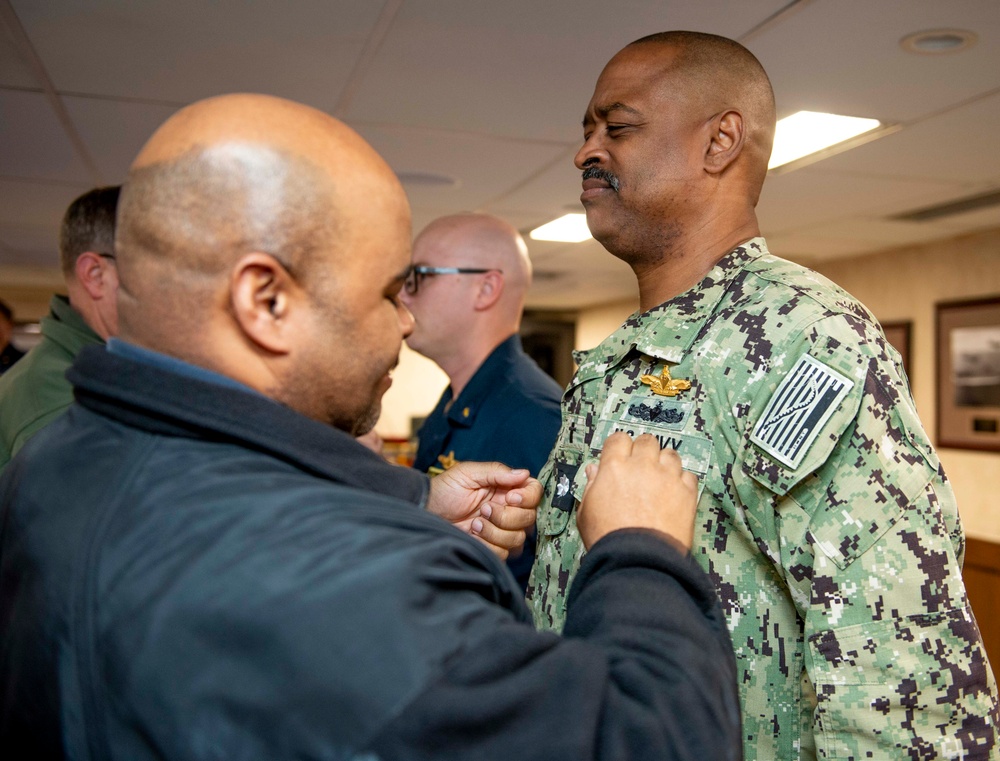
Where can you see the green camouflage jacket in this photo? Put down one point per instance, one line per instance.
(824, 518)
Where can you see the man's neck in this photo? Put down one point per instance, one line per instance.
(686, 264)
(460, 369)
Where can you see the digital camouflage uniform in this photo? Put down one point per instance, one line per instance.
(824, 516)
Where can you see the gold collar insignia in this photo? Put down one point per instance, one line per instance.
(448, 460)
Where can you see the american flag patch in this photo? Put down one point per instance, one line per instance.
(799, 407)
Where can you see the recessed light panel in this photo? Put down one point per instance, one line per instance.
(569, 228)
(809, 132)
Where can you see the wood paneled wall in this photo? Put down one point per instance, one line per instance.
(982, 581)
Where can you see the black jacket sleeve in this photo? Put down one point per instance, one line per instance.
(645, 670)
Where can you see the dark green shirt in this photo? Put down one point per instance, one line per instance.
(34, 392)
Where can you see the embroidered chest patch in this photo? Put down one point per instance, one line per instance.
(798, 409)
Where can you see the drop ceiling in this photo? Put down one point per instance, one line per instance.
(489, 94)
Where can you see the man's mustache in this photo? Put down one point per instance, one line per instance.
(596, 173)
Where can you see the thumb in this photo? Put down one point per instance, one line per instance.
(494, 474)
(590, 471)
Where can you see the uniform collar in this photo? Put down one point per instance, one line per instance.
(667, 331)
(66, 327)
(161, 401)
(464, 409)
(172, 364)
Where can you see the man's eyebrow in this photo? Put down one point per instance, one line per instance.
(604, 111)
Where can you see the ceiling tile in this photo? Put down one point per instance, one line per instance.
(114, 131)
(33, 142)
(540, 59)
(845, 57)
(183, 50)
(14, 72)
(809, 196)
(483, 166)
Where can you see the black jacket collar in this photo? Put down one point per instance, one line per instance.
(159, 401)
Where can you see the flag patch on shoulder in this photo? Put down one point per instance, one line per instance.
(799, 407)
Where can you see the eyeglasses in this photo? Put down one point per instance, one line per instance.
(419, 272)
(112, 257)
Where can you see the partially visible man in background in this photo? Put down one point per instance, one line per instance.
(36, 391)
(9, 354)
(470, 275)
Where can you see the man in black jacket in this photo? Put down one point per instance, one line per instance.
(198, 561)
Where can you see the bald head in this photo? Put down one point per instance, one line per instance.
(462, 317)
(227, 176)
(718, 74)
(480, 241)
(266, 241)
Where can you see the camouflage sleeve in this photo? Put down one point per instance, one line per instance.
(861, 524)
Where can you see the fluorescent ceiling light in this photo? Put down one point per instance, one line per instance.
(809, 132)
(569, 228)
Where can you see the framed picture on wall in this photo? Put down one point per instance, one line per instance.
(898, 334)
(968, 374)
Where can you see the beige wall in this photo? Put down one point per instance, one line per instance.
(417, 384)
(594, 325)
(904, 284)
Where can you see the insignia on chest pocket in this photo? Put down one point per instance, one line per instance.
(562, 496)
(798, 409)
(656, 413)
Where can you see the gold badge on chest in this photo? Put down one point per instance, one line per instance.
(664, 385)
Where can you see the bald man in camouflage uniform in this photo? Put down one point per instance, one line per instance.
(825, 518)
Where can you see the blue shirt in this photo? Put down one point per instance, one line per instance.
(508, 412)
(172, 364)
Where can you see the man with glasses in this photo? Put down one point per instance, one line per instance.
(466, 290)
(35, 391)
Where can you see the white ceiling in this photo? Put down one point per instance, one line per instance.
(491, 93)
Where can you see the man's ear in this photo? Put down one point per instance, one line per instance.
(96, 274)
(490, 290)
(264, 298)
(727, 135)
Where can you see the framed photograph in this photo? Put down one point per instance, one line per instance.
(898, 334)
(968, 374)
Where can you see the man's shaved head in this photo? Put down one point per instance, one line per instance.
(228, 198)
(723, 74)
(227, 176)
(482, 240)
(267, 241)
(461, 318)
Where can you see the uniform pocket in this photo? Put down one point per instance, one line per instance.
(878, 687)
(564, 480)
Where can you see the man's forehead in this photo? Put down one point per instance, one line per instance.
(437, 246)
(631, 80)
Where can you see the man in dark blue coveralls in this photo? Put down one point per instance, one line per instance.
(466, 290)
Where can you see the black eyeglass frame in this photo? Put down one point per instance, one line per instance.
(418, 271)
